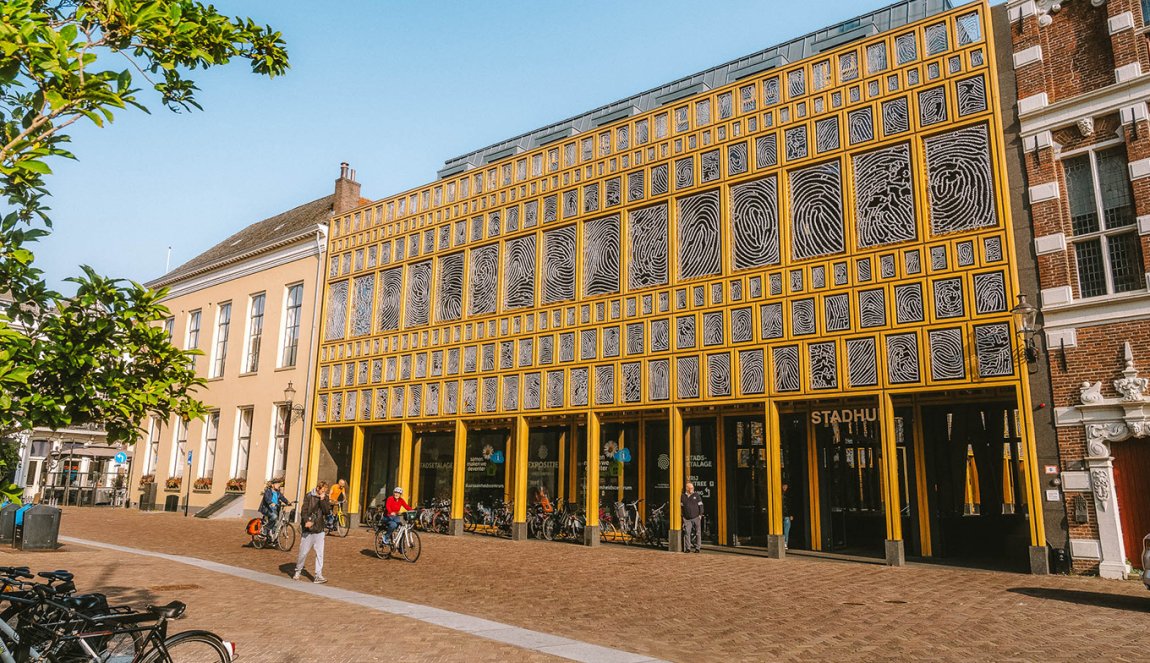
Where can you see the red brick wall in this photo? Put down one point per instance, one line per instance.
(1099, 356)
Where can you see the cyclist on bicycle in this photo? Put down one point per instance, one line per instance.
(394, 508)
(272, 500)
(337, 496)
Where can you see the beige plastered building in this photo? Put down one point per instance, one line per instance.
(248, 304)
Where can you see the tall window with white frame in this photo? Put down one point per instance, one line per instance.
(153, 456)
(169, 327)
(278, 466)
(211, 434)
(243, 442)
(1102, 218)
(193, 330)
(179, 455)
(292, 314)
(255, 333)
(223, 327)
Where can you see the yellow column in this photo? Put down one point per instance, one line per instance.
(641, 455)
(519, 496)
(355, 481)
(416, 454)
(773, 448)
(895, 553)
(459, 476)
(921, 485)
(312, 459)
(675, 479)
(816, 519)
(1034, 487)
(572, 462)
(591, 487)
(564, 466)
(406, 442)
(620, 442)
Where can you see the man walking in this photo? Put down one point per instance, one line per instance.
(313, 513)
(692, 506)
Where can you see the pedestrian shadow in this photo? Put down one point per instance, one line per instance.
(368, 552)
(1096, 599)
(287, 568)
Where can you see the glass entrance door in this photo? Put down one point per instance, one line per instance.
(380, 467)
(700, 446)
(747, 496)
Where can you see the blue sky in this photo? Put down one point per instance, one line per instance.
(393, 88)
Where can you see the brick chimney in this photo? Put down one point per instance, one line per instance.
(346, 190)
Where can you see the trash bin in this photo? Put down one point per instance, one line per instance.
(172, 503)
(8, 523)
(38, 528)
(148, 497)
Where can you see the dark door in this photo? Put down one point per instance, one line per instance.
(702, 471)
(380, 467)
(747, 495)
(850, 478)
(796, 487)
(1131, 467)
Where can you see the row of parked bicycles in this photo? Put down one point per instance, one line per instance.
(620, 522)
(44, 618)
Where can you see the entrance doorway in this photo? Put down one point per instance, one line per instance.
(1131, 467)
(436, 454)
(334, 454)
(485, 481)
(380, 467)
(977, 475)
(747, 486)
(700, 445)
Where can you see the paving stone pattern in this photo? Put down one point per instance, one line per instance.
(672, 606)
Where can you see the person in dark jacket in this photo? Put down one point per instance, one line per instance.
(272, 500)
(692, 505)
(313, 514)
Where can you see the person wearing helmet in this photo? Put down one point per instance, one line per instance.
(394, 509)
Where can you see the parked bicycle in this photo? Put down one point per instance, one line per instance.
(657, 527)
(495, 519)
(567, 522)
(280, 535)
(435, 517)
(48, 621)
(404, 540)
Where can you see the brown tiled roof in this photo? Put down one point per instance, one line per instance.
(290, 226)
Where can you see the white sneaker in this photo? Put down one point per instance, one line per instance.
(295, 576)
(319, 580)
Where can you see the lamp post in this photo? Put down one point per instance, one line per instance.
(1026, 316)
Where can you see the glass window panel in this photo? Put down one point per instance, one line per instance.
(1125, 261)
(1091, 272)
(1080, 192)
(1113, 182)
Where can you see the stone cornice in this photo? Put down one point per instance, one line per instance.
(1109, 99)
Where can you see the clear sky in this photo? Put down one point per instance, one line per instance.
(393, 88)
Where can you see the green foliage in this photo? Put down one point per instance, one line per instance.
(96, 356)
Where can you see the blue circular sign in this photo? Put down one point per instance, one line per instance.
(120, 457)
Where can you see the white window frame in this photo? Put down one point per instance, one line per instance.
(195, 322)
(152, 453)
(1103, 233)
(286, 340)
(220, 345)
(280, 440)
(170, 328)
(179, 448)
(210, 441)
(239, 471)
(254, 331)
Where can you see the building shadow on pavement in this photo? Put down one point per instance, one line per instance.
(1096, 599)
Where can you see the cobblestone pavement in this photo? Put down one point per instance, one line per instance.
(268, 624)
(677, 607)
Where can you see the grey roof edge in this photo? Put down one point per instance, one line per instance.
(165, 280)
(716, 76)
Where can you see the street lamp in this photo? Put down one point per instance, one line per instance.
(1026, 317)
(289, 394)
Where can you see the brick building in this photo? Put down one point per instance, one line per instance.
(1081, 74)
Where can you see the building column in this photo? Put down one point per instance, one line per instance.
(1039, 557)
(354, 481)
(895, 550)
(591, 478)
(773, 443)
(1112, 563)
(459, 476)
(519, 484)
(406, 444)
(675, 481)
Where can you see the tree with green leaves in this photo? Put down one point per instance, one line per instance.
(97, 356)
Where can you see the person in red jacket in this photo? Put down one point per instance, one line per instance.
(394, 507)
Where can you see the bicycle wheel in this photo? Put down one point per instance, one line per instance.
(409, 546)
(121, 647)
(258, 541)
(441, 524)
(469, 522)
(286, 538)
(382, 550)
(549, 529)
(191, 647)
(342, 523)
(608, 531)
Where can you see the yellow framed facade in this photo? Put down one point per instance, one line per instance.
(419, 332)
